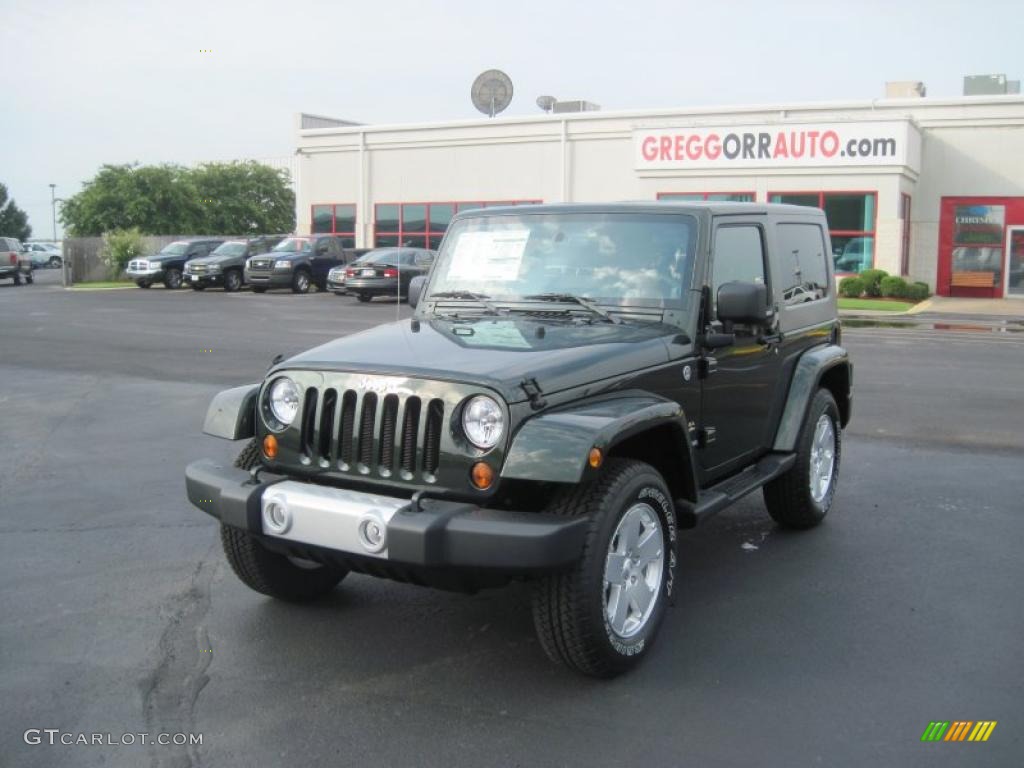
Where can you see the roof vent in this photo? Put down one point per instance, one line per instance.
(905, 89)
(575, 105)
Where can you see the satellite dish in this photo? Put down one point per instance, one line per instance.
(546, 102)
(492, 92)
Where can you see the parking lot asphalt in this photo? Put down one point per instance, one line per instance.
(831, 647)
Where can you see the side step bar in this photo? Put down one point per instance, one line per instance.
(721, 495)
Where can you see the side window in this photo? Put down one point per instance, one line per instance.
(803, 270)
(738, 256)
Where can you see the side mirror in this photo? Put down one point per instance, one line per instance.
(743, 303)
(415, 289)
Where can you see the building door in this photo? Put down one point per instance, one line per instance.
(1014, 287)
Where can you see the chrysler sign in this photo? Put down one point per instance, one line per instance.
(783, 145)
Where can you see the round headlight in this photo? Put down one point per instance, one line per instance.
(284, 400)
(483, 421)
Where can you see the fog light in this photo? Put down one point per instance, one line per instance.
(270, 447)
(596, 458)
(482, 475)
(373, 534)
(276, 517)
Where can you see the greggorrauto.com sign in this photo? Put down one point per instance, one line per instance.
(783, 145)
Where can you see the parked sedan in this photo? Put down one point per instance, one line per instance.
(386, 272)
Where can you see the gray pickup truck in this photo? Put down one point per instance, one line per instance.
(15, 263)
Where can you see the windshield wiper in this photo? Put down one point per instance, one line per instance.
(583, 301)
(480, 298)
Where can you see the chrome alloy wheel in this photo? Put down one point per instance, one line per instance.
(633, 570)
(823, 457)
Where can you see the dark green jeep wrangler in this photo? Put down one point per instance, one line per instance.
(578, 383)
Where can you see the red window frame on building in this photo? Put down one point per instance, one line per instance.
(431, 236)
(872, 233)
(348, 233)
(706, 196)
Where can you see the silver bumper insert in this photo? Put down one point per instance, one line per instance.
(348, 521)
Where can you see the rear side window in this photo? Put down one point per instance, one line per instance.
(803, 270)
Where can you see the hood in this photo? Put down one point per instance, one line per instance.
(215, 259)
(499, 352)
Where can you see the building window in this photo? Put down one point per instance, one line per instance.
(422, 225)
(718, 197)
(905, 241)
(336, 219)
(851, 224)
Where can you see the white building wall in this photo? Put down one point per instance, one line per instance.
(969, 146)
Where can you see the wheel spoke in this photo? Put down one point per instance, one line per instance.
(618, 608)
(614, 567)
(641, 597)
(649, 548)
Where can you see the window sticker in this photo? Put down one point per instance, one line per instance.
(488, 256)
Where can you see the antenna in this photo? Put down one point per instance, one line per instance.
(547, 103)
(491, 92)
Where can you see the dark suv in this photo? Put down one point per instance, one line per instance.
(168, 265)
(225, 264)
(578, 383)
(296, 263)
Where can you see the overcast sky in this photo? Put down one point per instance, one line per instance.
(88, 82)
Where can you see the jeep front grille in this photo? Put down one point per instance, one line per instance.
(363, 432)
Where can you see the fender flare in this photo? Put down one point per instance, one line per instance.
(232, 413)
(807, 375)
(554, 446)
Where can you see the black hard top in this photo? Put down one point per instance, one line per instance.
(649, 206)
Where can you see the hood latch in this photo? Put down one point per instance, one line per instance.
(532, 390)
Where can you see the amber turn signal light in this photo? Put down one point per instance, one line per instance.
(270, 447)
(482, 475)
(596, 458)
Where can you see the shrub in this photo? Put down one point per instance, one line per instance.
(918, 291)
(121, 246)
(873, 281)
(851, 287)
(893, 287)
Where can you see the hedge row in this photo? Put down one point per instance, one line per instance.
(875, 283)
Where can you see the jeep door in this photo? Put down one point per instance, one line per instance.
(740, 379)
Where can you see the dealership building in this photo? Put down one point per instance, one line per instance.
(932, 189)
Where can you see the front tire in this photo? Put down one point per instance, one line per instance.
(601, 616)
(54, 262)
(172, 279)
(363, 297)
(232, 281)
(268, 572)
(300, 281)
(803, 496)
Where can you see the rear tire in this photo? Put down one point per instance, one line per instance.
(600, 616)
(363, 297)
(172, 279)
(143, 283)
(30, 278)
(803, 496)
(54, 262)
(17, 278)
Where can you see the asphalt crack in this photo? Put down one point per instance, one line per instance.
(170, 692)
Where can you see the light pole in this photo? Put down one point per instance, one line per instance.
(53, 209)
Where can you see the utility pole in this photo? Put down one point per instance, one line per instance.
(53, 209)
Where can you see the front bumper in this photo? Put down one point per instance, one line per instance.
(441, 534)
(206, 279)
(268, 279)
(144, 274)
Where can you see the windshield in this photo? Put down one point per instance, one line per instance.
(616, 258)
(174, 249)
(292, 245)
(229, 249)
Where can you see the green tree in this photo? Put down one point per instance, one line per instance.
(213, 199)
(158, 199)
(243, 197)
(13, 220)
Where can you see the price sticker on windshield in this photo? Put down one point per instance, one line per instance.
(488, 256)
